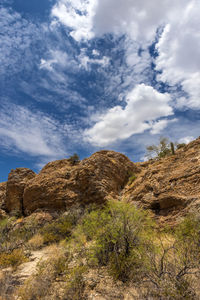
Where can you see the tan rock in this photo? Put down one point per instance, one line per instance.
(17, 180)
(2, 194)
(60, 184)
(170, 187)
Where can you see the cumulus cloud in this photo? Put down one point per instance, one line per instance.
(178, 47)
(139, 19)
(77, 15)
(178, 50)
(144, 105)
(32, 133)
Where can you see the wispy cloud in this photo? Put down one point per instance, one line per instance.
(33, 133)
(17, 37)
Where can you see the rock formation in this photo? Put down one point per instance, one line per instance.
(17, 180)
(61, 184)
(170, 187)
(2, 198)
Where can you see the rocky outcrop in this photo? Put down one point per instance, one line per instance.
(60, 184)
(2, 194)
(2, 199)
(169, 187)
(17, 180)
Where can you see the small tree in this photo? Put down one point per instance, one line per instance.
(74, 159)
(163, 149)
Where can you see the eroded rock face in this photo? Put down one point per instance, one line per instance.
(2, 194)
(170, 187)
(17, 179)
(60, 185)
(2, 199)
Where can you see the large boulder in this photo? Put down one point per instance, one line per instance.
(61, 184)
(17, 179)
(169, 187)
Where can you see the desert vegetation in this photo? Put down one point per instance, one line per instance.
(163, 148)
(159, 263)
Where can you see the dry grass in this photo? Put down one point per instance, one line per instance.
(36, 242)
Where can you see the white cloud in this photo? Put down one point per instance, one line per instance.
(77, 15)
(57, 57)
(86, 61)
(160, 125)
(33, 133)
(186, 140)
(178, 47)
(95, 52)
(178, 50)
(17, 36)
(144, 105)
(139, 19)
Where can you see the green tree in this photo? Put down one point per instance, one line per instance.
(163, 149)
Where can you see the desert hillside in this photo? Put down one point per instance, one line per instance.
(102, 228)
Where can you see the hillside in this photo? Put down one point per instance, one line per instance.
(102, 228)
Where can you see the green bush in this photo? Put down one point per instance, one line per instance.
(132, 178)
(75, 283)
(58, 229)
(119, 232)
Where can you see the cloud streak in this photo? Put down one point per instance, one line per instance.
(35, 134)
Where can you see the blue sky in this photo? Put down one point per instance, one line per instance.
(84, 75)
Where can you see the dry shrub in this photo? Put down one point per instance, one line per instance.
(36, 242)
(39, 285)
(6, 287)
(13, 259)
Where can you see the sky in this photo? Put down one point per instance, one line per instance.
(78, 76)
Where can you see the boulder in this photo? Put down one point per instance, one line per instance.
(61, 184)
(17, 179)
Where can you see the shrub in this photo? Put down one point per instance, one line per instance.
(75, 283)
(132, 178)
(179, 146)
(119, 231)
(13, 259)
(172, 267)
(6, 286)
(74, 159)
(57, 230)
(36, 242)
(39, 285)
